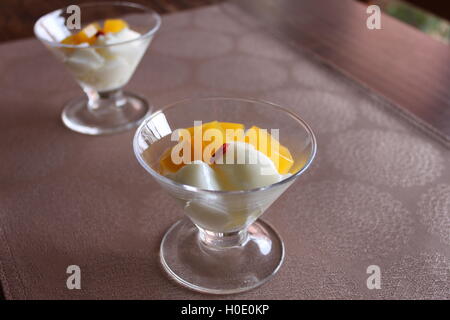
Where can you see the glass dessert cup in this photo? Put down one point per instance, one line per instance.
(221, 246)
(102, 70)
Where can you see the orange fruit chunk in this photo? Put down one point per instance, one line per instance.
(166, 165)
(211, 136)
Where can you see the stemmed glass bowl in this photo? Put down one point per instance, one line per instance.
(221, 246)
(101, 70)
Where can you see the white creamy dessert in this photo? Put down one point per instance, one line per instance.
(108, 62)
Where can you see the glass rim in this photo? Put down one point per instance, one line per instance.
(186, 187)
(148, 34)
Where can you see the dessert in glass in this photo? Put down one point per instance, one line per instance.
(225, 161)
(102, 56)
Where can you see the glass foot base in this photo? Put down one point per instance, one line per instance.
(109, 119)
(202, 268)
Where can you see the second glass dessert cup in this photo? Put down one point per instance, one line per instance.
(221, 246)
(101, 69)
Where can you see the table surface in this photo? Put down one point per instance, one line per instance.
(377, 194)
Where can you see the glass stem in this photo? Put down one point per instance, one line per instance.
(219, 240)
(104, 101)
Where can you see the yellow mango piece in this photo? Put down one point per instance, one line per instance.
(90, 30)
(233, 131)
(71, 40)
(231, 125)
(261, 140)
(211, 136)
(87, 34)
(270, 146)
(114, 25)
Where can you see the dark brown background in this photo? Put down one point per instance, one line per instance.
(18, 16)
